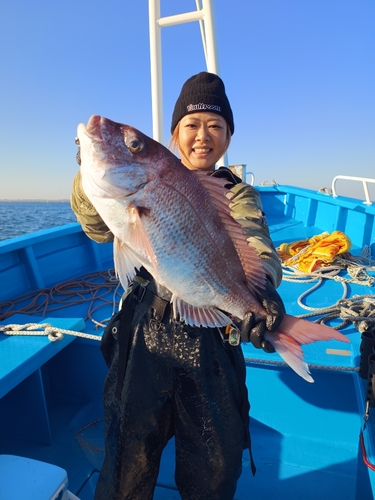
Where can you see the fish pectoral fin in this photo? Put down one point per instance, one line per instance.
(126, 263)
(137, 236)
(199, 316)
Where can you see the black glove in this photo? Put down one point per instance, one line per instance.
(252, 331)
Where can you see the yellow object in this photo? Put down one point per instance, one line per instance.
(318, 251)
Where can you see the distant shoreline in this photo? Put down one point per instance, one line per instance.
(38, 201)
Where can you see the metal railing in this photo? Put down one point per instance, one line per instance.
(364, 181)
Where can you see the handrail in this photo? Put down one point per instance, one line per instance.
(250, 174)
(364, 181)
(205, 15)
(240, 171)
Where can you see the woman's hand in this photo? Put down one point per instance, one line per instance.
(253, 330)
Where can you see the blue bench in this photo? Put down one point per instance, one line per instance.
(40, 481)
(21, 380)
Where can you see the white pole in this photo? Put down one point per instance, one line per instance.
(156, 70)
(206, 17)
(212, 59)
(187, 17)
(201, 26)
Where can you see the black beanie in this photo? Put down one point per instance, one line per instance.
(203, 92)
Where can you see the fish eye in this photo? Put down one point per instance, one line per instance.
(134, 144)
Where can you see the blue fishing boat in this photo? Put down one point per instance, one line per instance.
(306, 437)
(58, 291)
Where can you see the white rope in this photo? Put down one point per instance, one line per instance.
(44, 329)
(357, 269)
(359, 310)
(295, 276)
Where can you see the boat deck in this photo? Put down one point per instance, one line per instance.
(305, 436)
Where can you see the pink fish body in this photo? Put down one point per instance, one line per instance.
(177, 224)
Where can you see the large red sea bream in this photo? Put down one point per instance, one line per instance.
(177, 224)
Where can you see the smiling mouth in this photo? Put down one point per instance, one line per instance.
(202, 150)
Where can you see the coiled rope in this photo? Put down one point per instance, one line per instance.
(358, 310)
(357, 268)
(98, 289)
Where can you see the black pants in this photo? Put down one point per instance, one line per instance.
(183, 382)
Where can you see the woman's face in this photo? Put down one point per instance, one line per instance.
(202, 140)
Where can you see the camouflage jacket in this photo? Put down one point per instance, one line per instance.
(246, 209)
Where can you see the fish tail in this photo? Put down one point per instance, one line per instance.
(305, 332)
(294, 332)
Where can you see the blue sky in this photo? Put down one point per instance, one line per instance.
(300, 75)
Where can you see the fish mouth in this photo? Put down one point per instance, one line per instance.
(93, 128)
(94, 121)
(106, 133)
(101, 133)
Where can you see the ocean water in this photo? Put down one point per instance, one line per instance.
(23, 217)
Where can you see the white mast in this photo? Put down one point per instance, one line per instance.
(205, 15)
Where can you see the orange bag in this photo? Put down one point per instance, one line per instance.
(318, 251)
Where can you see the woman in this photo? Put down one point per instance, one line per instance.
(166, 378)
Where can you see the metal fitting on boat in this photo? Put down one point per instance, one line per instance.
(367, 350)
(370, 395)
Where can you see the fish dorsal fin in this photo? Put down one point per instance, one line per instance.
(251, 263)
(199, 316)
